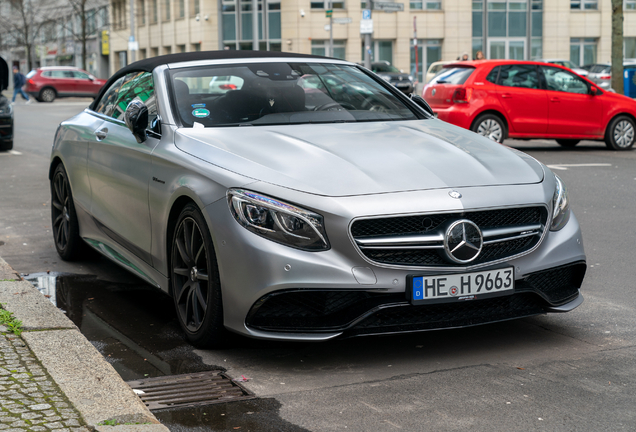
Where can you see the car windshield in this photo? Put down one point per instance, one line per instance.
(282, 93)
(453, 75)
(384, 68)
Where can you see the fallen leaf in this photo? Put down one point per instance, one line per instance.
(521, 368)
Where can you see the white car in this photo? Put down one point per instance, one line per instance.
(568, 64)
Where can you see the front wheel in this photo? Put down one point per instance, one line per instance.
(68, 242)
(196, 287)
(620, 133)
(568, 142)
(490, 126)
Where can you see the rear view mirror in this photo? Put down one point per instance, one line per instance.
(136, 118)
(419, 101)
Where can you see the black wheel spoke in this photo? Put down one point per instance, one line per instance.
(182, 271)
(57, 205)
(201, 298)
(182, 252)
(187, 234)
(198, 255)
(202, 276)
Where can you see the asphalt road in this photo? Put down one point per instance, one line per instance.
(570, 372)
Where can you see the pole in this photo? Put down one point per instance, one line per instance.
(255, 25)
(132, 29)
(367, 40)
(331, 29)
(417, 62)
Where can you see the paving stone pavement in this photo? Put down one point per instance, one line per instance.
(30, 399)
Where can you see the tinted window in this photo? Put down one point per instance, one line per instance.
(61, 74)
(136, 85)
(106, 104)
(492, 76)
(453, 75)
(524, 76)
(561, 80)
(80, 75)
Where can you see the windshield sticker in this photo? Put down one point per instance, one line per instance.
(201, 113)
(201, 105)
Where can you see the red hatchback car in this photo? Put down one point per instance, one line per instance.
(524, 100)
(47, 83)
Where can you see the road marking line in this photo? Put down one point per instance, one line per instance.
(564, 167)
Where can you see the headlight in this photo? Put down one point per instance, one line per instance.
(278, 221)
(7, 109)
(560, 206)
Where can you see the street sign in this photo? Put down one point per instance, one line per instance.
(388, 6)
(366, 13)
(366, 26)
(342, 20)
(327, 27)
(328, 13)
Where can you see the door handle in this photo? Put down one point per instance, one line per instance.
(101, 134)
(506, 95)
(555, 99)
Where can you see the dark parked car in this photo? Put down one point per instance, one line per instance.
(394, 76)
(6, 110)
(47, 83)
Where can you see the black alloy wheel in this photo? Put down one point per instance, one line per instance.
(196, 287)
(65, 225)
(568, 142)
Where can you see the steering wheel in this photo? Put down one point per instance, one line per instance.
(372, 104)
(330, 105)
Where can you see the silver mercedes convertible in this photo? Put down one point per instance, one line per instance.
(293, 197)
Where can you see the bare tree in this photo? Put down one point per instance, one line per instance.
(83, 11)
(24, 23)
(617, 46)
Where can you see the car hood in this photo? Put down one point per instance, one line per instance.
(361, 158)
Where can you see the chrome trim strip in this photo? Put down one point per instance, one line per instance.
(406, 240)
(503, 239)
(495, 232)
(242, 61)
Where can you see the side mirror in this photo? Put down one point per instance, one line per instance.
(419, 101)
(594, 91)
(136, 118)
(91, 77)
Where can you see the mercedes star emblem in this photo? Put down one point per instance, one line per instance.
(455, 194)
(463, 241)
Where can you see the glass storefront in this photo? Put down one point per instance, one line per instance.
(237, 24)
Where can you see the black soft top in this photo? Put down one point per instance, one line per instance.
(149, 64)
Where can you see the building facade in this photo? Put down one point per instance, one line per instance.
(411, 39)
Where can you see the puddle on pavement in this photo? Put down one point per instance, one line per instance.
(133, 326)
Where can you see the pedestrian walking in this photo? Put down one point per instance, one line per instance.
(19, 81)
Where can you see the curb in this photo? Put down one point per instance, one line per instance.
(90, 383)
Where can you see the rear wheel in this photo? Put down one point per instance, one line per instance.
(196, 287)
(68, 242)
(620, 133)
(490, 126)
(47, 95)
(568, 142)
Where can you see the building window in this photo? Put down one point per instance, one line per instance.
(325, 4)
(141, 12)
(381, 50)
(584, 4)
(154, 12)
(167, 50)
(195, 7)
(154, 52)
(629, 48)
(180, 8)
(425, 5)
(428, 51)
(321, 48)
(195, 47)
(583, 51)
(236, 22)
(166, 10)
(629, 4)
(142, 54)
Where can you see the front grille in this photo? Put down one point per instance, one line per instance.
(359, 312)
(434, 256)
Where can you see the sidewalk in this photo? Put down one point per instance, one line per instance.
(52, 378)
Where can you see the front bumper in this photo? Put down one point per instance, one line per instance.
(6, 127)
(272, 291)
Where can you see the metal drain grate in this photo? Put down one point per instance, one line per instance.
(201, 388)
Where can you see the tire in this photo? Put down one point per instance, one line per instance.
(568, 142)
(621, 133)
(47, 95)
(195, 282)
(68, 243)
(6, 145)
(490, 126)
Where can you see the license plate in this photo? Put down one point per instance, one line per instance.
(460, 287)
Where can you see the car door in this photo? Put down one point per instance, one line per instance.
(525, 102)
(63, 81)
(573, 109)
(119, 168)
(83, 84)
